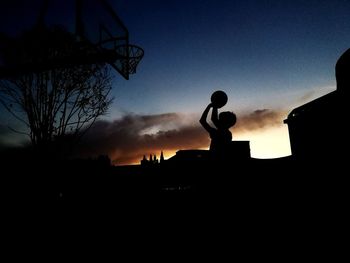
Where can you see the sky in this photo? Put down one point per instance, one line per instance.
(268, 56)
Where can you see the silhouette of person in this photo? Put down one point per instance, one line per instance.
(221, 136)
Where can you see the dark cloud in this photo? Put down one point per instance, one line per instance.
(307, 97)
(3, 130)
(260, 119)
(126, 140)
(4, 133)
(9, 139)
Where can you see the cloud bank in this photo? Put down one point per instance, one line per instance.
(259, 119)
(126, 140)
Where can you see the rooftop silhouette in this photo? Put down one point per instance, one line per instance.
(316, 129)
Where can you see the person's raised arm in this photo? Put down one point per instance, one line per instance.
(214, 117)
(203, 119)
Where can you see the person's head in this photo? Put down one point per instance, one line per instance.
(342, 71)
(227, 119)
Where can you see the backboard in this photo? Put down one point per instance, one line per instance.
(104, 29)
(97, 28)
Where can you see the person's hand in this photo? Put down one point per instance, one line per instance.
(212, 105)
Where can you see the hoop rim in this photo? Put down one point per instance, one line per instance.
(131, 55)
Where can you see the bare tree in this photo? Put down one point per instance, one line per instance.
(57, 96)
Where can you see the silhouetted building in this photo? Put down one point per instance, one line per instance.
(144, 161)
(161, 157)
(190, 155)
(317, 129)
(152, 160)
(238, 150)
(104, 160)
(313, 128)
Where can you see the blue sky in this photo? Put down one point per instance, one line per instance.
(273, 55)
(263, 53)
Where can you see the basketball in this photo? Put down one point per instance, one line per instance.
(219, 98)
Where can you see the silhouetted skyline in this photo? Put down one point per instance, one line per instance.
(269, 56)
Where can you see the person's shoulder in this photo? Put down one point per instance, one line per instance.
(228, 133)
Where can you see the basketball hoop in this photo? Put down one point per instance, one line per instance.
(100, 37)
(129, 56)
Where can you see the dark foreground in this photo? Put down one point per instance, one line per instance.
(264, 207)
(279, 184)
